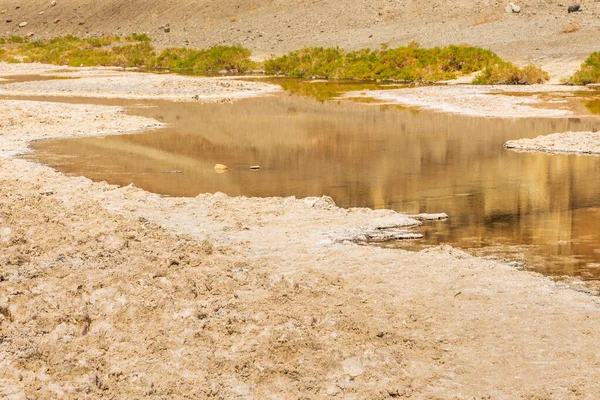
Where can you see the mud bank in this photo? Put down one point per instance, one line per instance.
(115, 83)
(560, 143)
(476, 101)
(117, 292)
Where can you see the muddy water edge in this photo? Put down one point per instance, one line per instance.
(539, 210)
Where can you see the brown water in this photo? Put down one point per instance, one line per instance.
(538, 207)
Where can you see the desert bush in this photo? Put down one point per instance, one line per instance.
(139, 38)
(13, 40)
(73, 51)
(505, 73)
(212, 60)
(409, 64)
(589, 72)
(132, 51)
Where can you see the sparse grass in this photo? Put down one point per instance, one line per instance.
(589, 72)
(13, 40)
(215, 59)
(408, 64)
(504, 73)
(131, 51)
(139, 38)
(72, 51)
(571, 27)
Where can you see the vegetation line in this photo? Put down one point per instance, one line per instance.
(589, 71)
(407, 64)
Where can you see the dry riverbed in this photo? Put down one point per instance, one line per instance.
(109, 292)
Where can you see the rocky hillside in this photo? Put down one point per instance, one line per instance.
(535, 32)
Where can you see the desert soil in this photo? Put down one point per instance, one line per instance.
(535, 34)
(114, 292)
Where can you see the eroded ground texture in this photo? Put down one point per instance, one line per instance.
(110, 292)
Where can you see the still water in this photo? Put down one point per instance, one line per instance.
(541, 208)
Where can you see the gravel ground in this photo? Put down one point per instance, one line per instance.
(536, 33)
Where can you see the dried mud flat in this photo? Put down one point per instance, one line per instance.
(109, 292)
(477, 101)
(561, 143)
(116, 83)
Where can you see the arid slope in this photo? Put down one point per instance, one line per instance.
(535, 33)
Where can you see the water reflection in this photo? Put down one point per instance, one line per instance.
(368, 155)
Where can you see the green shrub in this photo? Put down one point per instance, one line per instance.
(73, 51)
(410, 64)
(212, 60)
(139, 38)
(504, 73)
(13, 40)
(589, 72)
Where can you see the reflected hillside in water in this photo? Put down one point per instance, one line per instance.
(365, 156)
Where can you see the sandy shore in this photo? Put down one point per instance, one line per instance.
(114, 83)
(109, 292)
(567, 142)
(476, 101)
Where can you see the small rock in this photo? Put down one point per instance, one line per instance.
(220, 168)
(82, 23)
(574, 8)
(57, 20)
(17, 7)
(22, 24)
(30, 34)
(255, 167)
(3, 12)
(42, 13)
(8, 21)
(53, 3)
(167, 28)
(512, 7)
